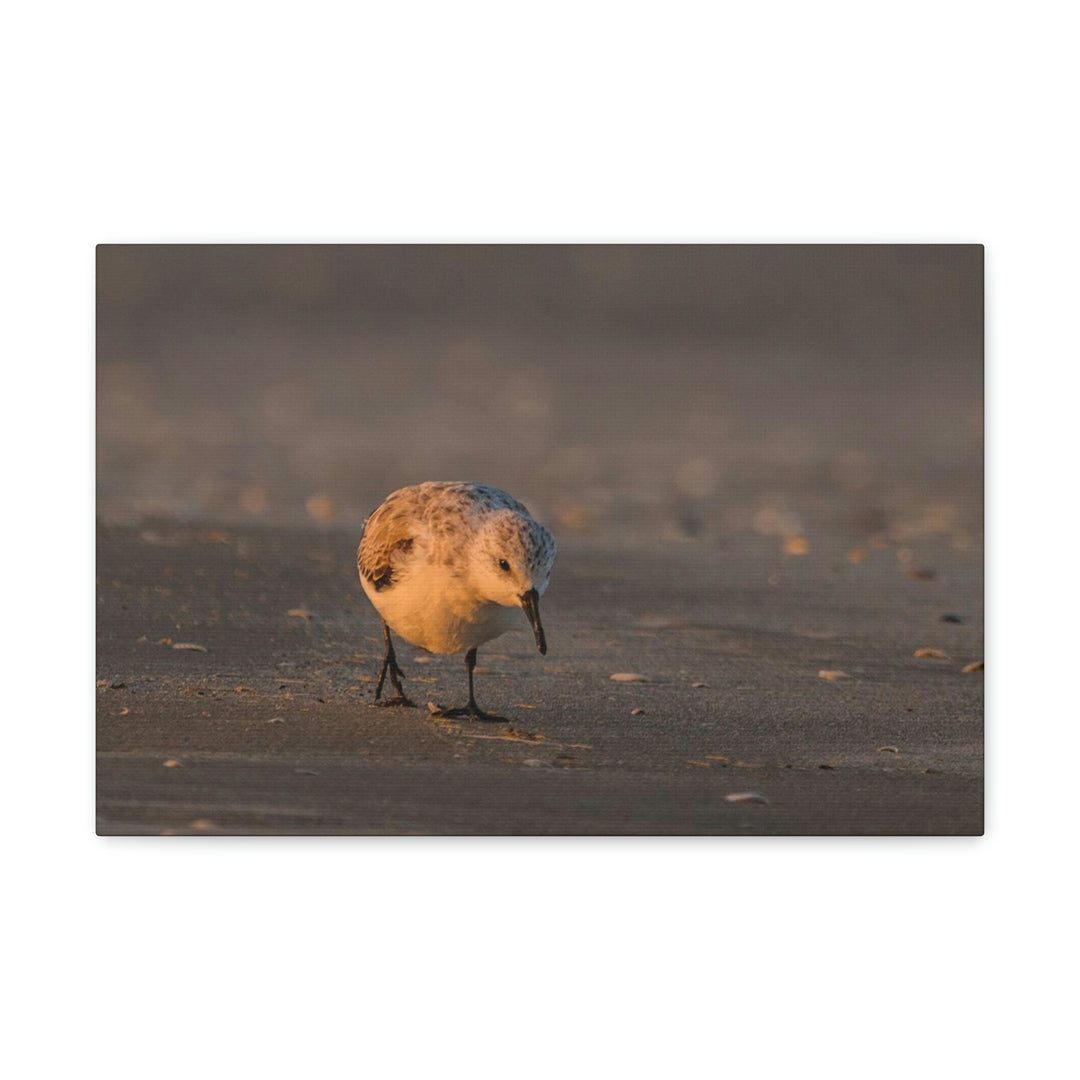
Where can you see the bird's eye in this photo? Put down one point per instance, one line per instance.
(504, 565)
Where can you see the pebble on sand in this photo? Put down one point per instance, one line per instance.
(832, 676)
(628, 676)
(745, 797)
(970, 669)
(320, 507)
(637, 712)
(930, 654)
(189, 646)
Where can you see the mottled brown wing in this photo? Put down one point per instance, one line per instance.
(386, 537)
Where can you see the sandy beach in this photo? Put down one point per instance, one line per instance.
(266, 726)
(760, 463)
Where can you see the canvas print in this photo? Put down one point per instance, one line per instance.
(549, 539)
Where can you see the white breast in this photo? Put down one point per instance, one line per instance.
(434, 609)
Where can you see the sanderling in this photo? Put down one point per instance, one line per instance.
(445, 565)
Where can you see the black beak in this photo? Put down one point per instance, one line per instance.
(530, 604)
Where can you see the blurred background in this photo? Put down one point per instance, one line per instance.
(626, 392)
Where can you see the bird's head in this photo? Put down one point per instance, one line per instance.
(512, 565)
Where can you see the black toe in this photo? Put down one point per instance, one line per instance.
(473, 712)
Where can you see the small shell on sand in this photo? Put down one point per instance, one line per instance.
(930, 654)
(745, 796)
(970, 669)
(628, 676)
(189, 646)
(832, 676)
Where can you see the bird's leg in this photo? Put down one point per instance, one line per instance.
(472, 709)
(396, 675)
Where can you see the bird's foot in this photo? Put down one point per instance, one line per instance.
(473, 712)
(397, 701)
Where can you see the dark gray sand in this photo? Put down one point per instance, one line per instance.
(270, 729)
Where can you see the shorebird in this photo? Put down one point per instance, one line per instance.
(447, 565)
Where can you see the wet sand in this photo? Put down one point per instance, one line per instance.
(270, 729)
